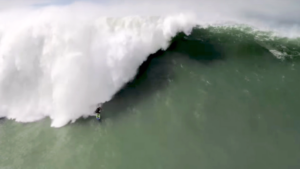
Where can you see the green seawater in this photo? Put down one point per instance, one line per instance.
(221, 98)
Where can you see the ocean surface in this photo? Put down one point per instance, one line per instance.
(176, 93)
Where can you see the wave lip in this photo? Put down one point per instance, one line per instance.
(62, 66)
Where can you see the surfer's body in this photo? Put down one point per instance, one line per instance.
(98, 113)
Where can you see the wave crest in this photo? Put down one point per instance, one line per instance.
(62, 66)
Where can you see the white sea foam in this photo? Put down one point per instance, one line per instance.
(60, 62)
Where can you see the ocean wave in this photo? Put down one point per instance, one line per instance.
(57, 65)
(60, 62)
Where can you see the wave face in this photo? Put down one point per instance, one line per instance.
(57, 65)
(61, 61)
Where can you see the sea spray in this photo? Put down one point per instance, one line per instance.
(57, 65)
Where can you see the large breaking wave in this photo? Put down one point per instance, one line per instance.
(62, 61)
(57, 65)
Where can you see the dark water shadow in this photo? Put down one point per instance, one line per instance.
(152, 76)
(197, 46)
(207, 47)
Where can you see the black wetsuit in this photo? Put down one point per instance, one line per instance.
(98, 110)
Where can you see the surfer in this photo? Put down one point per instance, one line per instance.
(98, 113)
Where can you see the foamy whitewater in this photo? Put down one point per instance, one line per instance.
(62, 61)
(57, 65)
